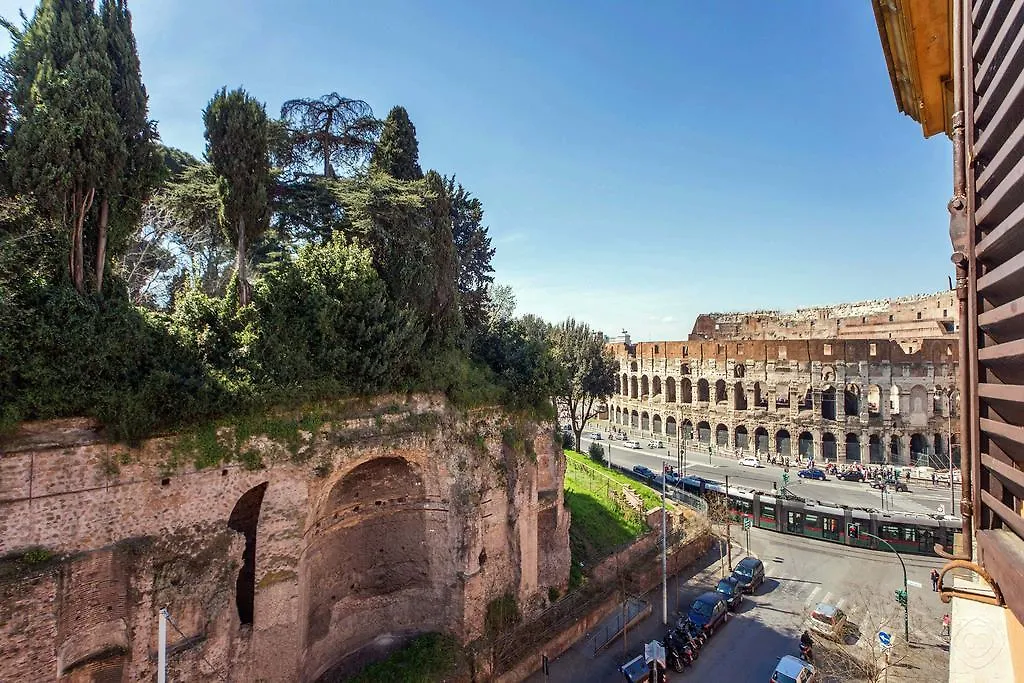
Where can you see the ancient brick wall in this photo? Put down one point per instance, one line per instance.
(395, 518)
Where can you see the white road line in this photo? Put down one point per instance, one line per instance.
(827, 598)
(814, 592)
(840, 602)
(915, 584)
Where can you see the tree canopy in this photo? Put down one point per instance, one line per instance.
(588, 372)
(397, 153)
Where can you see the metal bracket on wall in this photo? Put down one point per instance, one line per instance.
(946, 594)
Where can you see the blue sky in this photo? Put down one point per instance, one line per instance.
(639, 163)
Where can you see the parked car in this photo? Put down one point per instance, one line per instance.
(828, 620)
(852, 475)
(595, 436)
(792, 669)
(891, 483)
(812, 473)
(943, 476)
(749, 574)
(644, 472)
(731, 592)
(631, 444)
(709, 611)
(655, 444)
(750, 461)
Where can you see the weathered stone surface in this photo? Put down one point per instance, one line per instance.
(397, 519)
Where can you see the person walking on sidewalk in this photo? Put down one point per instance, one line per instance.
(935, 580)
(945, 625)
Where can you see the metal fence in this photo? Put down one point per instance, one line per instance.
(612, 628)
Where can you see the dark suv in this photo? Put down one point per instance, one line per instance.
(749, 574)
(729, 589)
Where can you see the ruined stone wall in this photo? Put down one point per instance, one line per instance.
(390, 519)
(845, 400)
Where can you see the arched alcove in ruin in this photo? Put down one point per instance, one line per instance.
(828, 403)
(739, 397)
(670, 426)
(721, 435)
(634, 419)
(632, 387)
(895, 451)
(645, 387)
(244, 519)
(761, 440)
(720, 391)
(742, 437)
(829, 449)
(919, 400)
(782, 446)
(851, 400)
(618, 384)
(656, 386)
(704, 431)
(687, 430)
(782, 396)
(645, 421)
(703, 390)
(894, 400)
(919, 451)
(760, 400)
(875, 456)
(874, 400)
(670, 390)
(852, 447)
(806, 445)
(687, 390)
(656, 423)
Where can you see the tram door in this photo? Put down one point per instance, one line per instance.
(925, 540)
(795, 522)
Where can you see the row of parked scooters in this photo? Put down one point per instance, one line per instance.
(683, 643)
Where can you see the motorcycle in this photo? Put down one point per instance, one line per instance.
(805, 653)
(692, 633)
(673, 653)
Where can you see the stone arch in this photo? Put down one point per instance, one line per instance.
(761, 440)
(686, 428)
(874, 400)
(670, 390)
(684, 369)
(852, 447)
(622, 384)
(244, 519)
(645, 422)
(851, 400)
(919, 451)
(704, 431)
(739, 370)
(632, 387)
(632, 366)
(721, 435)
(781, 396)
(828, 404)
(670, 426)
(720, 391)
(918, 400)
(760, 401)
(782, 443)
(742, 439)
(703, 391)
(896, 450)
(634, 419)
(739, 397)
(656, 386)
(686, 390)
(373, 537)
(940, 402)
(656, 423)
(829, 450)
(875, 455)
(645, 387)
(894, 400)
(806, 401)
(618, 415)
(806, 445)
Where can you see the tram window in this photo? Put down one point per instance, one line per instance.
(743, 506)
(830, 528)
(794, 522)
(889, 532)
(768, 512)
(811, 522)
(909, 534)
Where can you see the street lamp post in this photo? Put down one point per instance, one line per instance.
(949, 452)
(906, 601)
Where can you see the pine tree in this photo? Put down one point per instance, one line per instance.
(132, 176)
(237, 148)
(397, 152)
(332, 130)
(66, 138)
(473, 246)
(442, 309)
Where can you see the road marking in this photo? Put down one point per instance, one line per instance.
(840, 602)
(915, 584)
(813, 593)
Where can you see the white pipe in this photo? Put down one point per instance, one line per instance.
(161, 674)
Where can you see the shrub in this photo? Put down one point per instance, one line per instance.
(596, 452)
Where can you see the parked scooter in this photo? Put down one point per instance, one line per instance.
(805, 648)
(691, 633)
(679, 651)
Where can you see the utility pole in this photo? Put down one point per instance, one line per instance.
(728, 542)
(664, 551)
(949, 451)
(161, 671)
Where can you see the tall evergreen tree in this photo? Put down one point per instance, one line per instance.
(397, 152)
(133, 175)
(237, 148)
(442, 309)
(66, 138)
(473, 246)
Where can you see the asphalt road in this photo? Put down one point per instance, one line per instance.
(922, 498)
(800, 573)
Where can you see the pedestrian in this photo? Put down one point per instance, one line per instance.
(908, 476)
(935, 580)
(933, 479)
(945, 625)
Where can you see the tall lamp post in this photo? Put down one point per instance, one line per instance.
(902, 599)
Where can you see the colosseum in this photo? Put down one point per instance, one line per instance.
(871, 382)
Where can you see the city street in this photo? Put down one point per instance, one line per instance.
(799, 574)
(923, 497)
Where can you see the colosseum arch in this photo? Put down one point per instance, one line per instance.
(918, 400)
(245, 517)
(761, 440)
(829, 449)
(828, 404)
(894, 400)
(684, 369)
(656, 386)
(720, 392)
(742, 438)
(656, 423)
(618, 415)
(782, 443)
(851, 400)
(852, 447)
(760, 400)
(806, 445)
(896, 450)
(687, 430)
(721, 435)
(739, 397)
(645, 422)
(875, 456)
(940, 402)
(670, 390)
(919, 451)
(704, 432)
(670, 426)
(874, 400)
(686, 389)
(781, 396)
(632, 387)
(632, 366)
(806, 400)
(634, 419)
(645, 387)
(618, 384)
(703, 391)
(372, 538)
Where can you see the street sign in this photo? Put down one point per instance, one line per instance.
(654, 652)
(746, 523)
(885, 639)
(942, 510)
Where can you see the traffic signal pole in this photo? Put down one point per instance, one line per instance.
(905, 599)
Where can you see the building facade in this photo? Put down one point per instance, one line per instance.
(838, 400)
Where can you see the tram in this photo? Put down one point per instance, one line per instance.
(907, 532)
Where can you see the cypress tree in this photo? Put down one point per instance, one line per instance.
(237, 148)
(66, 137)
(134, 174)
(397, 152)
(442, 311)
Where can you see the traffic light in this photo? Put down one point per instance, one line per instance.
(853, 530)
(901, 597)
